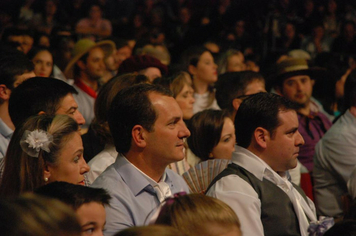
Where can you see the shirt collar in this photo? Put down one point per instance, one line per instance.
(5, 130)
(135, 179)
(80, 84)
(256, 166)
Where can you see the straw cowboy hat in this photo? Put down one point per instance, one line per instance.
(82, 47)
(292, 67)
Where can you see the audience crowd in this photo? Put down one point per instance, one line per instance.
(178, 117)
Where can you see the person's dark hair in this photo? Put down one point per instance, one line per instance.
(35, 95)
(103, 102)
(259, 110)
(205, 128)
(74, 195)
(12, 65)
(130, 107)
(33, 215)
(350, 90)
(192, 55)
(35, 50)
(157, 230)
(119, 42)
(233, 84)
(344, 228)
(11, 31)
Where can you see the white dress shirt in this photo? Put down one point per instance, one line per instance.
(244, 200)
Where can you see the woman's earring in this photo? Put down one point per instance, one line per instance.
(46, 179)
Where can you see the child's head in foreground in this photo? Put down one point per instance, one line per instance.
(197, 214)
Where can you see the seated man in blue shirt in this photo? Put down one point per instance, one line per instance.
(148, 131)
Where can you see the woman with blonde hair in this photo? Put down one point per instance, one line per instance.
(197, 214)
(180, 85)
(43, 149)
(231, 61)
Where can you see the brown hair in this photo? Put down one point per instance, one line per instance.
(104, 99)
(33, 215)
(24, 173)
(157, 230)
(194, 212)
(175, 83)
(205, 128)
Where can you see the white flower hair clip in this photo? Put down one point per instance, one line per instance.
(32, 142)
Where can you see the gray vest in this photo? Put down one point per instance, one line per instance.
(277, 213)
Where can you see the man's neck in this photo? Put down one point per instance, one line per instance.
(305, 110)
(200, 87)
(89, 82)
(4, 115)
(260, 154)
(152, 169)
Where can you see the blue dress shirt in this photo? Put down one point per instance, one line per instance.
(5, 136)
(134, 199)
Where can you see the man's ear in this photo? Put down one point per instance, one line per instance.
(192, 69)
(138, 136)
(261, 136)
(312, 82)
(236, 103)
(81, 64)
(4, 92)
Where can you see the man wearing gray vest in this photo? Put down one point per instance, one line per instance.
(256, 185)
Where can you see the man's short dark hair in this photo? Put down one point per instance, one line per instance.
(35, 95)
(230, 85)
(130, 107)
(259, 110)
(11, 31)
(74, 195)
(12, 65)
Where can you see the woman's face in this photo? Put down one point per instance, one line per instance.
(185, 100)
(70, 166)
(206, 69)
(236, 63)
(227, 141)
(43, 62)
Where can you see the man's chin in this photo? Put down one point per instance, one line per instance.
(300, 104)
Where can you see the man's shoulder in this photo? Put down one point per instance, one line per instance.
(234, 177)
(177, 180)
(108, 177)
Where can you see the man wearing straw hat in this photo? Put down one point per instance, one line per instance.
(86, 68)
(294, 80)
